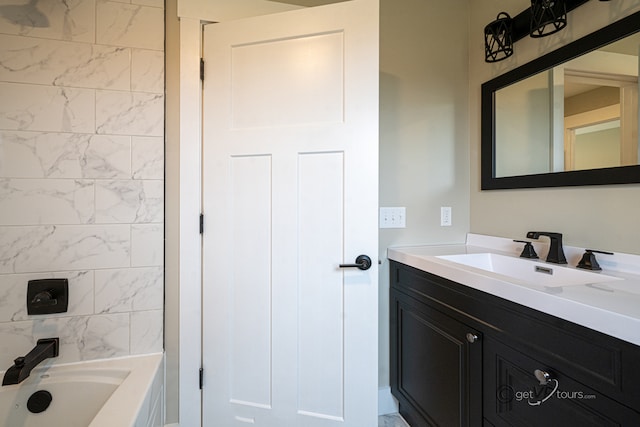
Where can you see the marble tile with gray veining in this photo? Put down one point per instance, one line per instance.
(46, 108)
(81, 337)
(100, 336)
(128, 289)
(129, 113)
(147, 157)
(81, 143)
(107, 156)
(147, 245)
(50, 19)
(46, 201)
(119, 24)
(146, 332)
(13, 291)
(127, 202)
(41, 155)
(64, 155)
(147, 71)
(66, 247)
(16, 339)
(61, 63)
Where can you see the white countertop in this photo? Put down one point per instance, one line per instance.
(612, 307)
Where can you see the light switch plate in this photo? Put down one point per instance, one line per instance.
(393, 217)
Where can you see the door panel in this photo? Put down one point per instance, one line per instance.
(250, 285)
(309, 67)
(290, 172)
(321, 299)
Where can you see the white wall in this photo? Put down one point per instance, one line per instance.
(424, 134)
(81, 174)
(599, 217)
(172, 213)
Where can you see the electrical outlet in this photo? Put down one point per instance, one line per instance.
(445, 216)
(393, 217)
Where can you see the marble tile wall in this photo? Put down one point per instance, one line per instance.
(81, 173)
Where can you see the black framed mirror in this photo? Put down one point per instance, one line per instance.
(556, 145)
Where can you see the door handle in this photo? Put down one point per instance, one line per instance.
(363, 262)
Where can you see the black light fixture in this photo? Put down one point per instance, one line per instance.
(547, 17)
(498, 38)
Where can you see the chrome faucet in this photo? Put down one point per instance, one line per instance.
(22, 367)
(556, 253)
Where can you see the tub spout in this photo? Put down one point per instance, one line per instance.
(22, 367)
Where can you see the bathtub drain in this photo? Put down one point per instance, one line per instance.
(39, 401)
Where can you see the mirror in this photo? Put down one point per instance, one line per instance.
(567, 118)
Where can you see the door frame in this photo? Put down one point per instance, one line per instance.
(185, 349)
(190, 240)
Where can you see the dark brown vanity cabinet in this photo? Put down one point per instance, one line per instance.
(462, 357)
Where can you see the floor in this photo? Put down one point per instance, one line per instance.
(391, 420)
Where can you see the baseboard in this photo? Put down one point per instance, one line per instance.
(387, 404)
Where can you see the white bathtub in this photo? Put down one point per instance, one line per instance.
(125, 392)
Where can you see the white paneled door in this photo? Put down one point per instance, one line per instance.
(290, 192)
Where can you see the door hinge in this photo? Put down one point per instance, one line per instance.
(201, 380)
(201, 223)
(202, 69)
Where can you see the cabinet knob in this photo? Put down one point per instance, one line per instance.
(471, 337)
(542, 376)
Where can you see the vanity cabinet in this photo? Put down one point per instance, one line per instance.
(462, 357)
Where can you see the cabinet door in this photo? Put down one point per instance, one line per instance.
(436, 364)
(514, 396)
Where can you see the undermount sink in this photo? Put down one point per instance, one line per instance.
(532, 272)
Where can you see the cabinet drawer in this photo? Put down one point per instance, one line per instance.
(513, 396)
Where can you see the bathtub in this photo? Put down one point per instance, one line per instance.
(124, 392)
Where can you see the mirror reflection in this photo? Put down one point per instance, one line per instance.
(579, 115)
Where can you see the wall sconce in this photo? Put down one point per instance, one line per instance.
(543, 18)
(547, 17)
(498, 38)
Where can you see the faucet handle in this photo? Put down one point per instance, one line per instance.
(44, 299)
(528, 251)
(19, 362)
(589, 262)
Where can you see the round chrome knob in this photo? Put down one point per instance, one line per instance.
(542, 376)
(472, 337)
